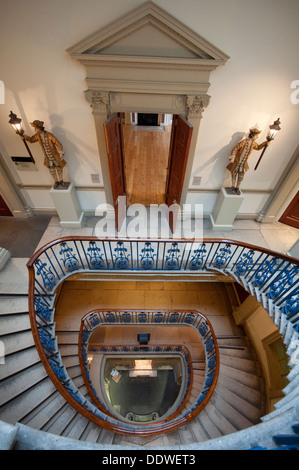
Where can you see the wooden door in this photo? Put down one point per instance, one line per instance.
(113, 137)
(4, 210)
(291, 214)
(178, 157)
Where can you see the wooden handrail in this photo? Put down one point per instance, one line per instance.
(99, 404)
(168, 424)
(112, 424)
(267, 251)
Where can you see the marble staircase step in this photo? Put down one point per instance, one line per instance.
(247, 393)
(241, 376)
(246, 365)
(15, 385)
(13, 304)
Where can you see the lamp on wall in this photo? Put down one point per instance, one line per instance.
(17, 125)
(272, 131)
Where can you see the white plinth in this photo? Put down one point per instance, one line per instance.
(67, 206)
(226, 208)
(294, 250)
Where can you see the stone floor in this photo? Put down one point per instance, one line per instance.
(21, 236)
(274, 236)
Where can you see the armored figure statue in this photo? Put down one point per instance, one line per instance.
(53, 152)
(238, 161)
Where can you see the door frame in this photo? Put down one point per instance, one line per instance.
(178, 154)
(286, 218)
(172, 141)
(104, 104)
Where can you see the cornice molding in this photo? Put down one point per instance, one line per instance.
(92, 47)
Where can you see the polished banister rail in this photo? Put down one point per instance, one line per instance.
(133, 350)
(158, 317)
(272, 277)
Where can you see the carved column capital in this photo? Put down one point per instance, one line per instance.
(99, 101)
(196, 105)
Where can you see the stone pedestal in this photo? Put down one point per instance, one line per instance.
(67, 206)
(294, 250)
(225, 210)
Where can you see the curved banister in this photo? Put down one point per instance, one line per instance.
(164, 349)
(271, 275)
(48, 245)
(191, 318)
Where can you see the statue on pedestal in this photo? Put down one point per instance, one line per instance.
(53, 152)
(238, 161)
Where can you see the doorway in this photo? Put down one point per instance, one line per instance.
(291, 214)
(146, 143)
(173, 175)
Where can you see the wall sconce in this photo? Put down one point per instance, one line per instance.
(272, 131)
(17, 125)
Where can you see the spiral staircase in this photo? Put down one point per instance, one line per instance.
(35, 414)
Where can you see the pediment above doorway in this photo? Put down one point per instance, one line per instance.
(148, 34)
(147, 61)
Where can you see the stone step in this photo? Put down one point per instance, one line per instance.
(233, 415)
(19, 361)
(71, 361)
(232, 341)
(13, 304)
(198, 431)
(67, 337)
(59, 422)
(249, 411)
(91, 433)
(240, 352)
(245, 378)
(41, 415)
(17, 342)
(15, 385)
(198, 365)
(18, 407)
(68, 350)
(246, 365)
(222, 423)
(252, 396)
(204, 420)
(76, 427)
(14, 322)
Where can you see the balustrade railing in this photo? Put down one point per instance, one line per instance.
(134, 350)
(141, 317)
(272, 277)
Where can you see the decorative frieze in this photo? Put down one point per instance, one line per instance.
(195, 105)
(99, 101)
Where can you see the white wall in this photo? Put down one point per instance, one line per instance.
(253, 88)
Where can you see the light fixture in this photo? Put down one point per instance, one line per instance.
(272, 131)
(17, 125)
(89, 359)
